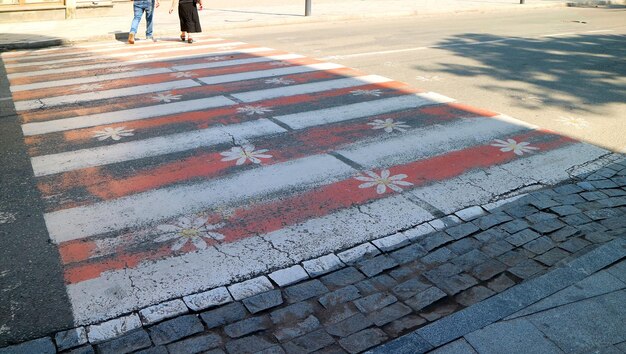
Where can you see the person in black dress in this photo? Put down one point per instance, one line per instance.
(189, 19)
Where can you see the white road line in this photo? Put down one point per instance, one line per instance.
(132, 150)
(100, 95)
(124, 54)
(258, 95)
(236, 62)
(360, 110)
(220, 79)
(88, 79)
(155, 205)
(126, 115)
(600, 31)
(135, 61)
(559, 34)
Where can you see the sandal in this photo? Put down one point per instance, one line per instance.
(190, 40)
(182, 37)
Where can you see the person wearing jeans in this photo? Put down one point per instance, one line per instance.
(139, 7)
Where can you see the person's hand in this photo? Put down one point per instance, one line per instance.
(157, 4)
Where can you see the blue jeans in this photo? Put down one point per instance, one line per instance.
(139, 7)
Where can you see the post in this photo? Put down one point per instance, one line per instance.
(70, 9)
(307, 8)
(521, 1)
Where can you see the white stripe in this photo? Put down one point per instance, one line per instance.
(155, 205)
(126, 115)
(211, 80)
(124, 54)
(102, 155)
(236, 62)
(88, 79)
(136, 61)
(258, 95)
(359, 110)
(86, 51)
(100, 95)
(429, 141)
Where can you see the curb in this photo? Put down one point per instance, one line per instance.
(22, 45)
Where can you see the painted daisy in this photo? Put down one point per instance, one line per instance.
(578, 123)
(375, 93)
(389, 125)
(6, 217)
(166, 97)
(512, 145)
(188, 229)
(252, 110)
(88, 87)
(113, 133)
(384, 181)
(279, 81)
(244, 153)
(182, 74)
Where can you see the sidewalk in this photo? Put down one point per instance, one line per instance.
(222, 15)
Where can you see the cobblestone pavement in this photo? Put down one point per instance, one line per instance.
(365, 296)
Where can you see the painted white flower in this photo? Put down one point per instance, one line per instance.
(428, 78)
(512, 145)
(375, 93)
(217, 58)
(6, 217)
(244, 153)
(279, 63)
(389, 125)
(166, 97)
(578, 123)
(113, 133)
(252, 110)
(88, 87)
(384, 181)
(188, 229)
(182, 74)
(279, 81)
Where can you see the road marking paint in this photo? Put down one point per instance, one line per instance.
(99, 95)
(237, 62)
(220, 79)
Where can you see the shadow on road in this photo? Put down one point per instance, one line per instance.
(582, 70)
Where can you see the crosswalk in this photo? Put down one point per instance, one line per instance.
(167, 169)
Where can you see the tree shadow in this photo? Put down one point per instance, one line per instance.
(585, 71)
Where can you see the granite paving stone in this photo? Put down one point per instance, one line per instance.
(459, 346)
(425, 298)
(547, 226)
(568, 189)
(309, 342)
(442, 271)
(614, 222)
(376, 284)
(542, 203)
(339, 313)
(491, 235)
(363, 340)
(305, 291)
(614, 192)
(354, 254)
(389, 313)
(250, 287)
(224, 315)
(491, 220)
(512, 258)
(175, 329)
(271, 350)
(340, 296)
(39, 346)
(407, 254)
(470, 213)
(438, 311)
(522, 237)
(307, 325)
(540, 245)
(248, 345)
(247, 326)
(551, 257)
(263, 301)
(374, 302)
(464, 245)
(349, 326)
(411, 343)
(526, 269)
(592, 227)
(488, 269)
(568, 199)
(377, 265)
(520, 334)
(165, 310)
(392, 242)
(410, 288)
(515, 226)
(600, 214)
(288, 276)
(600, 237)
(576, 219)
(463, 230)
(473, 295)
(402, 273)
(322, 265)
(342, 277)
(592, 196)
(564, 233)
(88, 349)
(540, 217)
(431, 241)
(135, 340)
(195, 302)
(195, 344)
(500, 283)
(574, 244)
(292, 312)
(470, 259)
(439, 256)
(456, 283)
(70, 339)
(403, 324)
(494, 249)
(520, 211)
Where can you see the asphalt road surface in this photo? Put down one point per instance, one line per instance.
(151, 172)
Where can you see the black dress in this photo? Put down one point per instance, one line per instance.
(188, 15)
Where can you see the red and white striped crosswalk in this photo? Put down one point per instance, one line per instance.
(167, 169)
